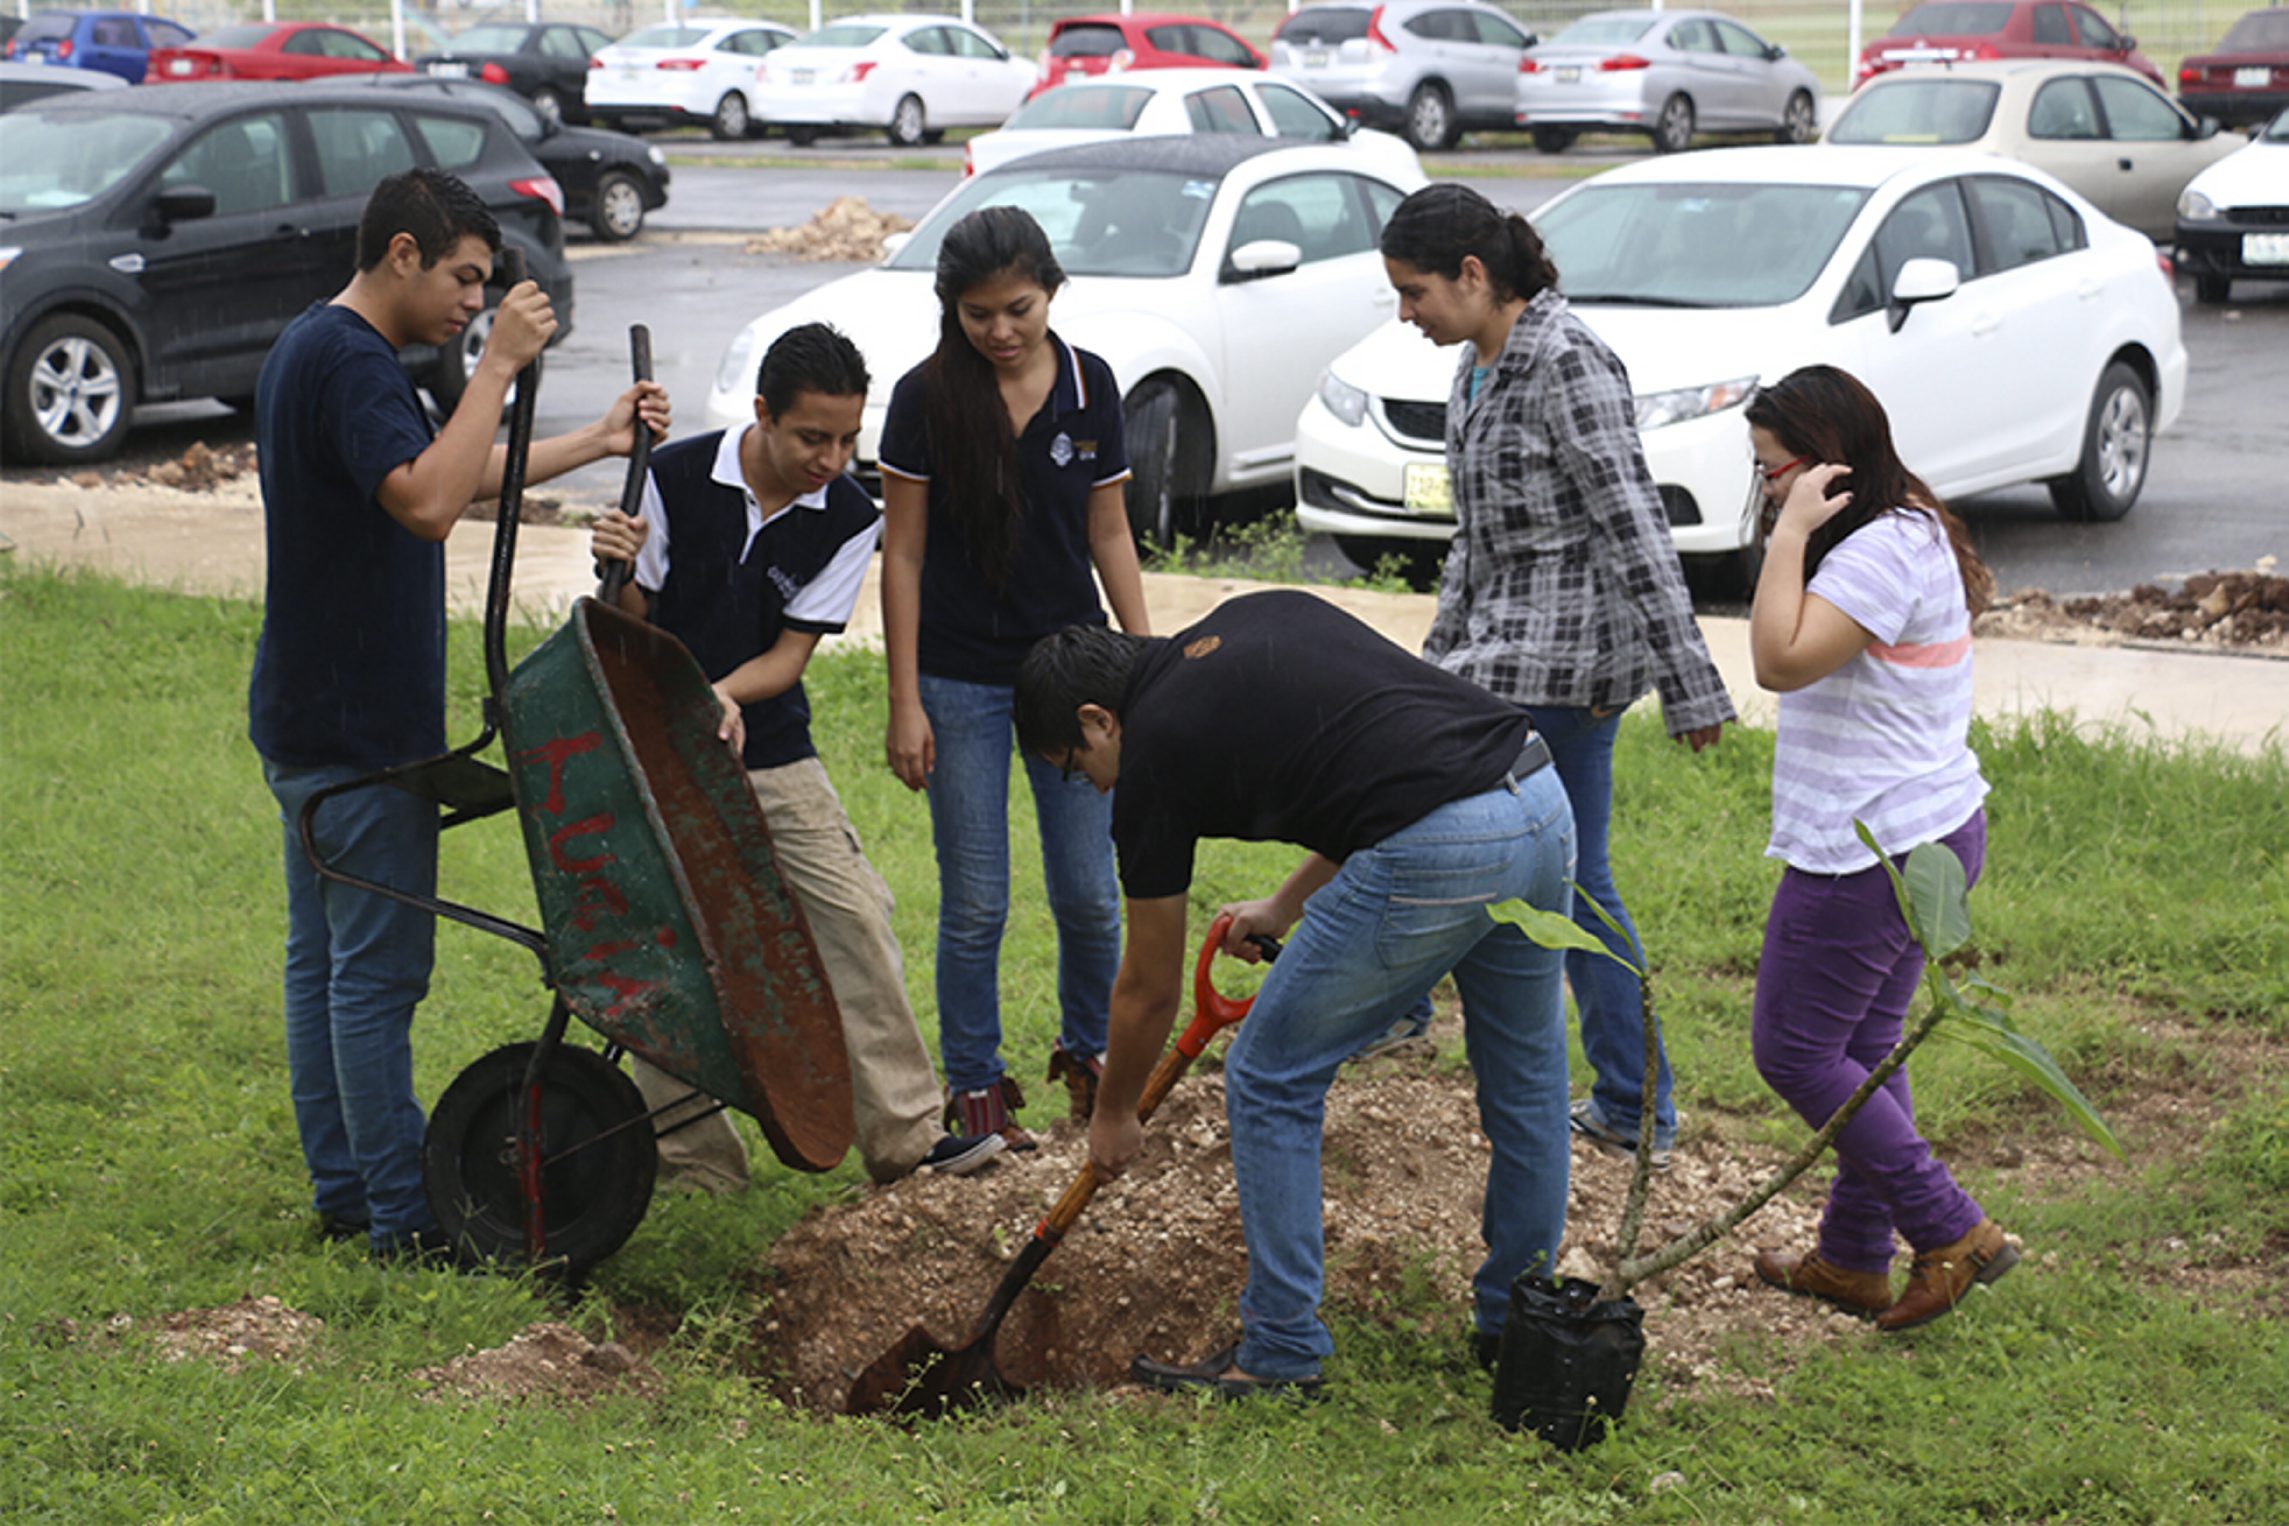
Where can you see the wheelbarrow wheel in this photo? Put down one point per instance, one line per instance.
(596, 1141)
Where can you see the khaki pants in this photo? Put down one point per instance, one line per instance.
(894, 1090)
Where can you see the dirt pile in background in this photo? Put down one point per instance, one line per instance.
(551, 1361)
(2241, 610)
(845, 229)
(1156, 1264)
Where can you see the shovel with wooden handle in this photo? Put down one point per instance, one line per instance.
(917, 1376)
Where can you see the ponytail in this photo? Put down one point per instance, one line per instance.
(1436, 227)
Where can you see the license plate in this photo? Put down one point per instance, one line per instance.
(2253, 79)
(1426, 489)
(1315, 58)
(178, 66)
(450, 71)
(801, 76)
(2265, 248)
(1569, 76)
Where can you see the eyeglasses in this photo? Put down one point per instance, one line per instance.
(1775, 473)
(1069, 768)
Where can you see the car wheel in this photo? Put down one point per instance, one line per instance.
(802, 137)
(71, 392)
(2116, 447)
(550, 105)
(1673, 129)
(907, 121)
(457, 362)
(2212, 290)
(1553, 140)
(619, 212)
(1800, 122)
(731, 119)
(1157, 509)
(1430, 118)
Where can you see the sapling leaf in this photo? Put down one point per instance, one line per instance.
(2032, 1061)
(1628, 938)
(1549, 930)
(1899, 886)
(1941, 893)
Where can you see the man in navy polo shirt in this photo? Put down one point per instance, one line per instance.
(358, 495)
(751, 545)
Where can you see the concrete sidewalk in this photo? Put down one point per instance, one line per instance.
(213, 544)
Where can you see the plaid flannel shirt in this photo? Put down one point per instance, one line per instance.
(1563, 586)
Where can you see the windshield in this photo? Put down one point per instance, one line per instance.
(1111, 222)
(235, 36)
(1680, 245)
(1605, 32)
(1953, 20)
(663, 37)
(60, 161)
(2258, 32)
(2279, 131)
(1918, 111)
(1323, 23)
(848, 35)
(1114, 107)
(1087, 40)
(52, 24)
(490, 39)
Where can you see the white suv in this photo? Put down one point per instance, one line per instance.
(1432, 69)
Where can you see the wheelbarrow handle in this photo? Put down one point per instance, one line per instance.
(616, 574)
(1213, 1013)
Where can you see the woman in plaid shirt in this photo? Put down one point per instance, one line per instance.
(1562, 590)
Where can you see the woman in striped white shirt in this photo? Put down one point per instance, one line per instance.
(1862, 625)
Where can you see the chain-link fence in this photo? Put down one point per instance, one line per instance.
(1816, 31)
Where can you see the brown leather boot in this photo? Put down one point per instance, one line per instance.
(1940, 1278)
(1861, 1293)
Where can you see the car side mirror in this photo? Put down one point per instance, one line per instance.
(892, 243)
(1775, 52)
(2129, 44)
(2207, 127)
(177, 204)
(1921, 281)
(1261, 258)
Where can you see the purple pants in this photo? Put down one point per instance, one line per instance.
(1832, 992)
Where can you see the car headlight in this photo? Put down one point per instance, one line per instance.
(2194, 207)
(656, 156)
(1654, 409)
(8, 255)
(1340, 398)
(736, 373)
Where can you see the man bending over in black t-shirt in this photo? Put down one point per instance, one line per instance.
(1423, 800)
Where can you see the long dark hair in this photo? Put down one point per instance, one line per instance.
(1825, 414)
(973, 448)
(1434, 228)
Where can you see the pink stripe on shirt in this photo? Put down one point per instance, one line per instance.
(1934, 654)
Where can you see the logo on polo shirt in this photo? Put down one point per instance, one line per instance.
(1065, 450)
(783, 580)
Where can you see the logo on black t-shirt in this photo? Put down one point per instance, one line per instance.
(1203, 646)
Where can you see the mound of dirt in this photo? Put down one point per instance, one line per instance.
(196, 470)
(547, 1361)
(2247, 611)
(845, 229)
(1156, 1264)
(253, 1330)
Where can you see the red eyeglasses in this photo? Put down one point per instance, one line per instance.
(1775, 473)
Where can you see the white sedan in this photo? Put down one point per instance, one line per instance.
(2230, 219)
(701, 70)
(1155, 102)
(1216, 274)
(913, 76)
(2013, 332)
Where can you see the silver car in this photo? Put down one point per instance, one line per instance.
(1668, 74)
(1431, 69)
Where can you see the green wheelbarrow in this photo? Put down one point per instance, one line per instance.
(666, 928)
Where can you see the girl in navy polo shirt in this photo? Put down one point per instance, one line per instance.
(1002, 462)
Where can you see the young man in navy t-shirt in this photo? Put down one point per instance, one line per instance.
(358, 495)
(750, 546)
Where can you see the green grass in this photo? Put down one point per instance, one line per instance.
(2136, 1370)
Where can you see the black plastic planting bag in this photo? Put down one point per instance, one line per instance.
(1567, 1361)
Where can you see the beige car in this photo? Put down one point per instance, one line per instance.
(2101, 128)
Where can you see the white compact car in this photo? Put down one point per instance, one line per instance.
(912, 76)
(1155, 102)
(2233, 218)
(700, 70)
(1216, 274)
(2013, 332)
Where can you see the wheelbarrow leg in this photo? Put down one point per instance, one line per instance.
(529, 1142)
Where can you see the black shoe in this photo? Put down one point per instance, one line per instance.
(960, 1154)
(1486, 1345)
(1212, 1374)
(338, 1227)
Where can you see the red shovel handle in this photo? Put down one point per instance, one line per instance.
(1212, 1009)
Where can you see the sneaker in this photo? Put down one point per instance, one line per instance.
(1410, 1025)
(960, 1154)
(990, 1110)
(1081, 1073)
(1940, 1278)
(1583, 1116)
(1214, 1374)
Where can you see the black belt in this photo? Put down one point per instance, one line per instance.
(1532, 757)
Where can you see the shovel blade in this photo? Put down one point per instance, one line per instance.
(919, 1377)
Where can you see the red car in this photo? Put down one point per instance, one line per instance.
(1086, 45)
(272, 50)
(1952, 30)
(2247, 78)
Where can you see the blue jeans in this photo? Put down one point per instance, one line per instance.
(1397, 917)
(969, 822)
(1606, 995)
(356, 966)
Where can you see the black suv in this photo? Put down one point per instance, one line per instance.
(155, 241)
